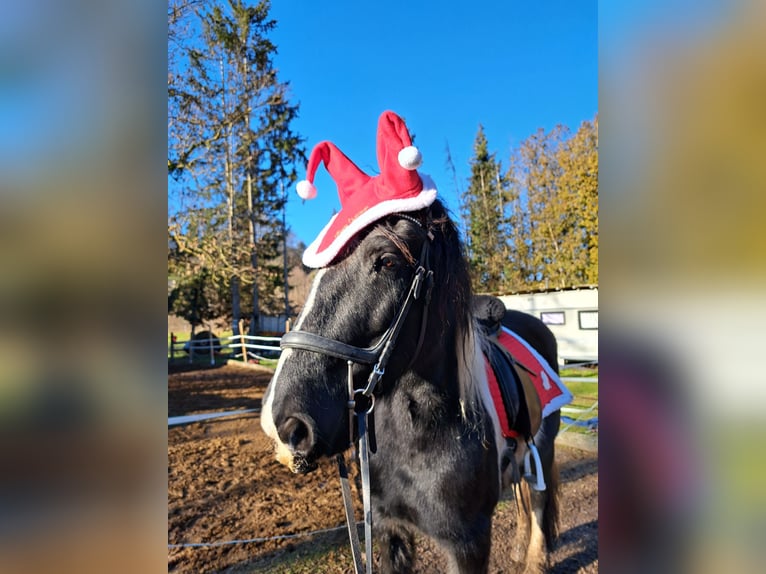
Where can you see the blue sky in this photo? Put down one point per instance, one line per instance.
(445, 67)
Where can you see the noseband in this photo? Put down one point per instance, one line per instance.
(362, 401)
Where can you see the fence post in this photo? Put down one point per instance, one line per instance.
(210, 342)
(172, 345)
(242, 342)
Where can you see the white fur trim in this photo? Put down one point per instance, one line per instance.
(479, 373)
(306, 189)
(410, 157)
(425, 198)
(566, 395)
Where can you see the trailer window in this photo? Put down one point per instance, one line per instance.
(588, 319)
(553, 317)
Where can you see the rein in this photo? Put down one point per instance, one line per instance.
(361, 401)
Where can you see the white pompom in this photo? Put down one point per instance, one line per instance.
(410, 158)
(306, 189)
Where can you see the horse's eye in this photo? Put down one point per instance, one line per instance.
(387, 261)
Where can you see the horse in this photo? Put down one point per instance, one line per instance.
(440, 462)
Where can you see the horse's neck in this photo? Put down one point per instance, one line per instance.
(445, 370)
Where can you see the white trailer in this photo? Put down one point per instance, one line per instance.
(572, 315)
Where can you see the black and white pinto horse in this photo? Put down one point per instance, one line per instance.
(441, 461)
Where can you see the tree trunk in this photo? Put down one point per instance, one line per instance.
(255, 323)
(284, 255)
(235, 305)
(235, 312)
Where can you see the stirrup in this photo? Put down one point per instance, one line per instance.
(536, 480)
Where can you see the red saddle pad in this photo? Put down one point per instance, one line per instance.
(552, 392)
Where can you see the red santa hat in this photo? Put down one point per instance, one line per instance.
(365, 199)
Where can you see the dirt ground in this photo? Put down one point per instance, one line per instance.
(224, 485)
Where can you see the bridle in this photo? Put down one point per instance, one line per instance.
(362, 401)
(379, 354)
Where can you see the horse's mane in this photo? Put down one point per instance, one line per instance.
(453, 296)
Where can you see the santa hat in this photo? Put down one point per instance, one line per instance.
(365, 199)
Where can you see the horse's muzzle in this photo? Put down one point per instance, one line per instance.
(297, 463)
(302, 465)
(296, 444)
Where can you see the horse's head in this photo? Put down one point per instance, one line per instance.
(354, 302)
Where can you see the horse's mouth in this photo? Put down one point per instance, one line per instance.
(298, 463)
(302, 465)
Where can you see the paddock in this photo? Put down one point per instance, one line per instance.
(233, 508)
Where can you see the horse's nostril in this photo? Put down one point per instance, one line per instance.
(297, 434)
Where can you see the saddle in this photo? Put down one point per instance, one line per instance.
(521, 402)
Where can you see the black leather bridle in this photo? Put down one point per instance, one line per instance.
(379, 354)
(362, 401)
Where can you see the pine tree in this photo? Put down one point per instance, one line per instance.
(232, 150)
(483, 208)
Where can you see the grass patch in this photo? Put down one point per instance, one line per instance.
(583, 390)
(316, 558)
(269, 363)
(318, 562)
(585, 395)
(579, 372)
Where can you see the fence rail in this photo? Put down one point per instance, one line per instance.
(580, 379)
(242, 346)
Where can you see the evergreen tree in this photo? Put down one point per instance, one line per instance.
(483, 208)
(232, 150)
(190, 299)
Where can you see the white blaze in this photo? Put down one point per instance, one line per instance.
(267, 417)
